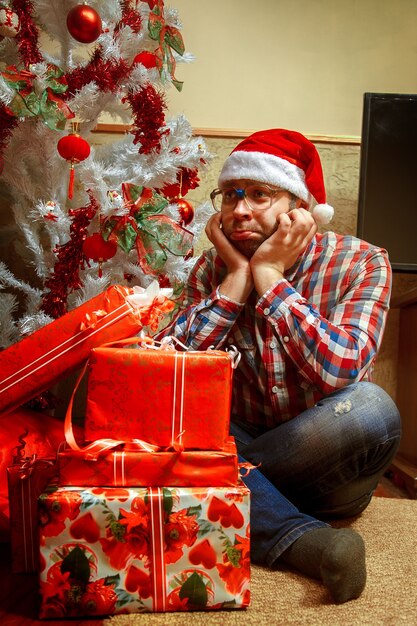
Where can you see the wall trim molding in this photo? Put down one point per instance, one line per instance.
(223, 133)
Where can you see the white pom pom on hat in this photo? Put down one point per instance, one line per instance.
(323, 213)
(283, 158)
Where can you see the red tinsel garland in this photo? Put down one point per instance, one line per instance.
(187, 179)
(148, 107)
(65, 277)
(28, 35)
(106, 74)
(130, 17)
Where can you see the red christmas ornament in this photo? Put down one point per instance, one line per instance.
(147, 59)
(84, 23)
(9, 22)
(186, 211)
(73, 148)
(98, 249)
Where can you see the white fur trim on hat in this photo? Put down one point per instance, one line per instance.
(265, 168)
(323, 213)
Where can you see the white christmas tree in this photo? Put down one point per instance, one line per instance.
(93, 216)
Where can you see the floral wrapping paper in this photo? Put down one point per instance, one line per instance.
(115, 550)
(133, 468)
(26, 481)
(164, 397)
(38, 361)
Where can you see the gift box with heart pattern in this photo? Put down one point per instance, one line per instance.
(126, 550)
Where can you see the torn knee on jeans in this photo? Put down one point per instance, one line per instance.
(344, 406)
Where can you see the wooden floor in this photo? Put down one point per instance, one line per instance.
(18, 592)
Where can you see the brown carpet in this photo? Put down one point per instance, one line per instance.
(389, 527)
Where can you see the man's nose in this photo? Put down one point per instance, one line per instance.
(241, 208)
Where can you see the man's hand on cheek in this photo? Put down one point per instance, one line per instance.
(238, 282)
(280, 251)
(234, 259)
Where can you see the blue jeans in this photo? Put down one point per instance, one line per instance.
(325, 463)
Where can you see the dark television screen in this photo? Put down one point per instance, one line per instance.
(387, 211)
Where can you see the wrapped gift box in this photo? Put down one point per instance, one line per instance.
(39, 435)
(128, 550)
(133, 468)
(26, 481)
(35, 363)
(164, 397)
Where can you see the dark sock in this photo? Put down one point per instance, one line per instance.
(335, 556)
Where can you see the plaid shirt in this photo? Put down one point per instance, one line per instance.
(314, 331)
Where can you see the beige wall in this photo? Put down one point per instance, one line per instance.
(305, 65)
(300, 64)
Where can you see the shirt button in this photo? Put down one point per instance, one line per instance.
(286, 339)
(267, 311)
(273, 344)
(274, 389)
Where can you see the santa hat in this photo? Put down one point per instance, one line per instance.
(283, 158)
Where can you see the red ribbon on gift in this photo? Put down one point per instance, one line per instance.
(100, 447)
(92, 451)
(178, 401)
(27, 493)
(47, 358)
(158, 577)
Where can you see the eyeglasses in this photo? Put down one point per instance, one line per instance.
(257, 197)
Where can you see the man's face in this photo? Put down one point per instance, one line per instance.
(247, 229)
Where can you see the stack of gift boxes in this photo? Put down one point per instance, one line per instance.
(147, 512)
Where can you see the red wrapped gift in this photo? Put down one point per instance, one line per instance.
(40, 435)
(139, 468)
(27, 480)
(165, 397)
(35, 363)
(118, 550)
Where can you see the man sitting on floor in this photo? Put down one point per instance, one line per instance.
(307, 313)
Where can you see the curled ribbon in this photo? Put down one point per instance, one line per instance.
(170, 343)
(246, 468)
(27, 467)
(29, 463)
(91, 319)
(18, 453)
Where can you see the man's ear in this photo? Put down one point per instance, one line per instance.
(301, 204)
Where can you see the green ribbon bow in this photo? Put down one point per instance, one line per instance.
(153, 234)
(168, 37)
(28, 103)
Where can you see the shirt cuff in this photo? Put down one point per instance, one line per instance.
(221, 296)
(278, 299)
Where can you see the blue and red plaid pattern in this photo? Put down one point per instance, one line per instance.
(311, 333)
